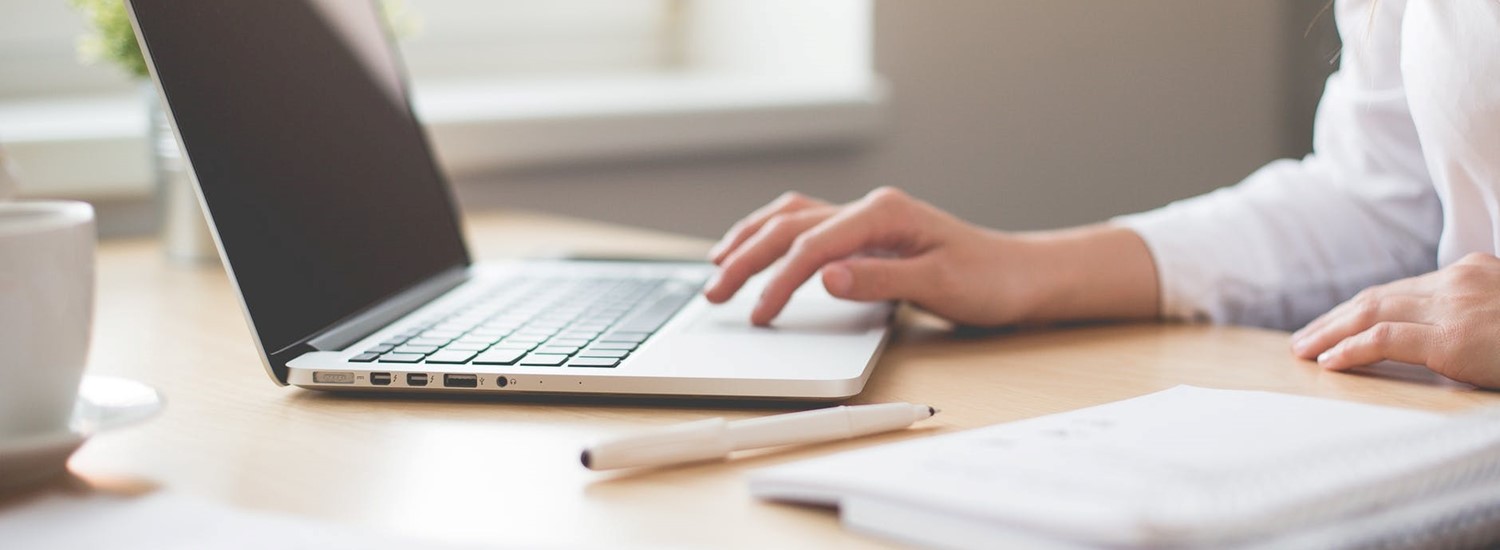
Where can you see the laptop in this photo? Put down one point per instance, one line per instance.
(342, 238)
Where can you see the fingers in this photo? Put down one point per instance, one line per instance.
(1443, 320)
(1403, 342)
(1420, 286)
(1354, 317)
(762, 249)
(879, 219)
(878, 279)
(745, 228)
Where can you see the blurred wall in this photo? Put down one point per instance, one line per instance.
(1013, 113)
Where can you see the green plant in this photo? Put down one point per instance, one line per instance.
(113, 41)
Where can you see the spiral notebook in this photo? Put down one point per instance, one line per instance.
(1181, 468)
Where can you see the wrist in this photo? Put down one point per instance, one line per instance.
(1018, 277)
(1092, 272)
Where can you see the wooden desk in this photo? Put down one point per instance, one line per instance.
(506, 471)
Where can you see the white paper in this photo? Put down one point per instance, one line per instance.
(164, 521)
(1114, 473)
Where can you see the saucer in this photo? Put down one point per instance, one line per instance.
(104, 403)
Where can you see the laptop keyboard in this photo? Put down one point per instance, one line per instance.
(535, 322)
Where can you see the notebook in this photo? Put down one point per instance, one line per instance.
(1181, 468)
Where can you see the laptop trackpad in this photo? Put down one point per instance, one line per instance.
(811, 311)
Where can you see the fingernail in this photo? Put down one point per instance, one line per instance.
(1325, 357)
(838, 280)
(712, 285)
(757, 315)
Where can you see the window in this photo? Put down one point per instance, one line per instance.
(441, 39)
(500, 83)
(39, 56)
(526, 38)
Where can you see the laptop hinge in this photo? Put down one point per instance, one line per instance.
(351, 330)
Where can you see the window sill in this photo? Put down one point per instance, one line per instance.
(95, 147)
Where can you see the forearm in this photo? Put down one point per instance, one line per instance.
(1092, 272)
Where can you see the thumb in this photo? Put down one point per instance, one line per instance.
(876, 279)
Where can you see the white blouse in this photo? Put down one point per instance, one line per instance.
(1404, 177)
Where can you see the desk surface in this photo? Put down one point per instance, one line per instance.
(503, 470)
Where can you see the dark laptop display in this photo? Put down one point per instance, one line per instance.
(342, 237)
(316, 174)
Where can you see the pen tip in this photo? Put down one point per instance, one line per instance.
(931, 410)
(586, 460)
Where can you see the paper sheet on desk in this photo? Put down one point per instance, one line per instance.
(1105, 474)
(173, 522)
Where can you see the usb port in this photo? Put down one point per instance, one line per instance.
(380, 378)
(460, 380)
(416, 379)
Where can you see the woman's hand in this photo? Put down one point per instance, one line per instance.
(1448, 320)
(885, 246)
(890, 246)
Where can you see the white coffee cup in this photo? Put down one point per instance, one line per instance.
(46, 312)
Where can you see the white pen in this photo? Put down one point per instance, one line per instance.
(715, 438)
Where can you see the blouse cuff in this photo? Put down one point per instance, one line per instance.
(1184, 283)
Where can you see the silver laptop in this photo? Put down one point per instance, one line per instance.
(342, 238)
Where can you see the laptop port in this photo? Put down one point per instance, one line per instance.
(501, 381)
(460, 381)
(323, 377)
(380, 378)
(416, 379)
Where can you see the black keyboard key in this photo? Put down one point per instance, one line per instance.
(535, 332)
(596, 352)
(416, 349)
(499, 357)
(451, 357)
(621, 336)
(401, 358)
(596, 362)
(524, 338)
(485, 339)
(541, 360)
(653, 316)
(365, 357)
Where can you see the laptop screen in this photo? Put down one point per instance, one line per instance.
(317, 176)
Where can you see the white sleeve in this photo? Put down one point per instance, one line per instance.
(1298, 237)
